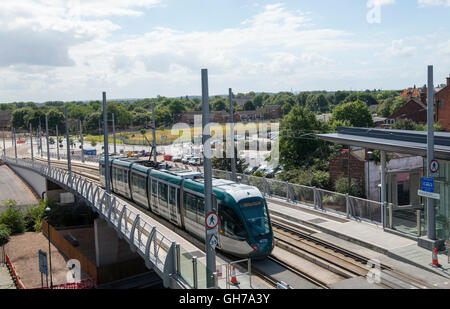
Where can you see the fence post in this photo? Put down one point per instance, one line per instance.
(287, 191)
(419, 223)
(390, 215)
(178, 257)
(347, 205)
(194, 271)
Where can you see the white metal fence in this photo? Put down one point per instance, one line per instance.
(352, 207)
(158, 251)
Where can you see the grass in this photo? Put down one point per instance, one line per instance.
(183, 135)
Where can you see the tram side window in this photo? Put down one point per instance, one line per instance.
(231, 225)
(190, 202)
(154, 193)
(200, 210)
(163, 194)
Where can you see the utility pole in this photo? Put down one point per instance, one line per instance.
(4, 144)
(81, 139)
(210, 233)
(57, 142)
(430, 153)
(233, 157)
(105, 145)
(114, 133)
(48, 144)
(69, 165)
(154, 133)
(40, 137)
(31, 143)
(15, 142)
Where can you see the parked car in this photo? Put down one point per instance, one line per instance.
(177, 158)
(186, 159)
(195, 162)
(272, 172)
(250, 170)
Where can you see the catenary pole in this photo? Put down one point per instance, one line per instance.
(31, 143)
(233, 157)
(82, 142)
(154, 133)
(210, 251)
(105, 145)
(46, 138)
(57, 142)
(114, 132)
(430, 153)
(69, 165)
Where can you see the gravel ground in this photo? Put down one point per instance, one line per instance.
(23, 252)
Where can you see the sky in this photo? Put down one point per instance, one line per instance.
(56, 50)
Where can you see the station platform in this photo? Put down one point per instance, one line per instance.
(365, 238)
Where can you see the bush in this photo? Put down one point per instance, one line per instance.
(4, 234)
(13, 219)
(34, 216)
(341, 186)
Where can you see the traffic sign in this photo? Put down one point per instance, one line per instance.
(428, 184)
(43, 269)
(434, 166)
(435, 196)
(213, 242)
(212, 220)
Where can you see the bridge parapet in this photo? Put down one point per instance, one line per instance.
(158, 251)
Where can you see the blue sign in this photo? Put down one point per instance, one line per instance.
(428, 184)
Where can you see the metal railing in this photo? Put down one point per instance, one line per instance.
(75, 157)
(344, 204)
(152, 245)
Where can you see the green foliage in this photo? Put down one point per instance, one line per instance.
(307, 177)
(356, 113)
(249, 106)
(13, 218)
(4, 234)
(404, 125)
(258, 174)
(33, 217)
(297, 145)
(341, 186)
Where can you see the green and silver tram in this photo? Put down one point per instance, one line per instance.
(177, 195)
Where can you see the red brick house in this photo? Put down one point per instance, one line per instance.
(442, 103)
(413, 110)
(410, 93)
(339, 167)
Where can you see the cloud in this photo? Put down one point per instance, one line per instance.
(398, 49)
(427, 3)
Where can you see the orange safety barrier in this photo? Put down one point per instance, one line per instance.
(19, 283)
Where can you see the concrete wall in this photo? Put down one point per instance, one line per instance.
(36, 181)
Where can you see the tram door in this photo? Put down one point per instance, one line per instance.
(173, 204)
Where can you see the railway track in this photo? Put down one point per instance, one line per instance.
(340, 260)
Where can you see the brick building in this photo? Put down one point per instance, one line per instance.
(5, 119)
(339, 167)
(260, 114)
(442, 103)
(414, 110)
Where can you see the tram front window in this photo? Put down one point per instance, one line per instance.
(231, 225)
(255, 213)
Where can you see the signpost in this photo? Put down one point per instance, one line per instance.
(43, 267)
(428, 189)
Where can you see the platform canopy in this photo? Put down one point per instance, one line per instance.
(401, 141)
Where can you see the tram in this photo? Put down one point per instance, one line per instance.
(177, 195)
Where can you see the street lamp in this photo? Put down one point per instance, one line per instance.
(47, 211)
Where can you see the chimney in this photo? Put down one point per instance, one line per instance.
(448, 81)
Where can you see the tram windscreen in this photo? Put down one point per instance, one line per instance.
(256, 216)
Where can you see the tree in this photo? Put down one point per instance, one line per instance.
(298, 145)
(56, 118)
(317, 103)
(218, 104)
(356, 113)
(224, 163)
(249, 106)
(176, 107)
(19, 117)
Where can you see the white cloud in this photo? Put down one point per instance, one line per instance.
(426, 3)
(398, 49)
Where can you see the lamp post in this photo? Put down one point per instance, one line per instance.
(47, 211)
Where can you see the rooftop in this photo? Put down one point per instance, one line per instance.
(401, 141)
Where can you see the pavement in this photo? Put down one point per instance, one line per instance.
(366, 238)
(12, 187)
(6, 282)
